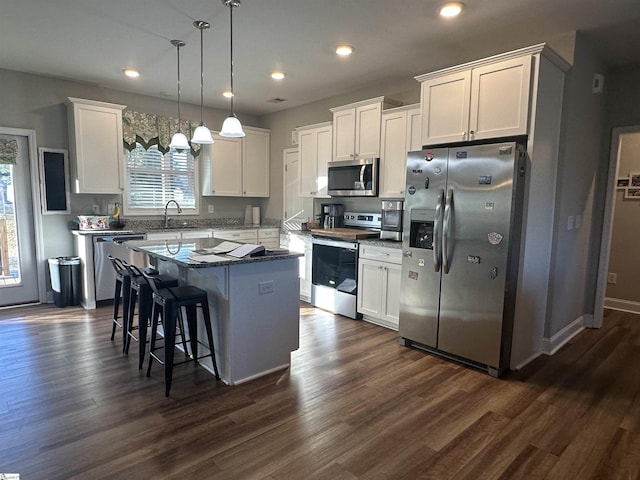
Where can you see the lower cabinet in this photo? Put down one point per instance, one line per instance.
(379, 284)
(269, 237)
(248, 235)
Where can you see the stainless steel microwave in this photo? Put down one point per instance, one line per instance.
(353, 178)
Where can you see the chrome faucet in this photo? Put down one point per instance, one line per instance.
(166, 218)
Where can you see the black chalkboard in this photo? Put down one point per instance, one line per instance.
(55, 192)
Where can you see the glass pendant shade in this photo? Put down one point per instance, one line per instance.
(179, 142)
(202, 135)
(232, 128)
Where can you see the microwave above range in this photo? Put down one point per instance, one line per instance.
(353, 178)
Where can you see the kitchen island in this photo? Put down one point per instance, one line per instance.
(254, 303)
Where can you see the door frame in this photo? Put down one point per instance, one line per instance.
(607, 223)
(35, 200)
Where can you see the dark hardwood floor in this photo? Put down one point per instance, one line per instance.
(354, 405)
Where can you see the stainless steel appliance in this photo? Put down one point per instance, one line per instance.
(105, 245)
(334, 263)
(353, 178)
(461, 240)
(391, 226)
(331, 215)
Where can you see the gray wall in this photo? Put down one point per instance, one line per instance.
(580, 160)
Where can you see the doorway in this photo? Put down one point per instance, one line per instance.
(20, 282)
(616, 187)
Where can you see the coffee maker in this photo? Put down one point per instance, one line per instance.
(331, 215)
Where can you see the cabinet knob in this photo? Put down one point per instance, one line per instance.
(472, 133)
(464, 135)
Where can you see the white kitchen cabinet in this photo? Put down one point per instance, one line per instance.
(255, 162)
(356, 130)
(206, 233)
(222, 167)
(269, 237)
(173, 235)
(245, 235)
(95, 146)
(400, 127)
(314, 148)
(379, 270)
(476, 101)
(237, 167)
(303, 244)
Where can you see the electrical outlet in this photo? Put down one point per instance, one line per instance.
(578, 221)
(612, 278)
(210, 208)
(265, 287)
(96, 209)
(570, 222)
(111, 208)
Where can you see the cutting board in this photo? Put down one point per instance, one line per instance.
(346, 233)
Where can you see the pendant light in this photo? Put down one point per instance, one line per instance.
(179, 140)
(231, 126)
(201, 135)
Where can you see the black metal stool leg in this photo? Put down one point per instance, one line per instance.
(207, 324)
(169, 323)
(116, 307)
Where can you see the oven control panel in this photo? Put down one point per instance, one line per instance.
(371, 221)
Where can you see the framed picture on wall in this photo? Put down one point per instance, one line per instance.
(632, 193)
(634, 180)
(623, 182)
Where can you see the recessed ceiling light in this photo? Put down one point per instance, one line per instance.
(227, 94)
(344, 50)
(131, 73)
(278, 75)
(451, 9)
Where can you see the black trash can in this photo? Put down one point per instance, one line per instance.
(65, 280)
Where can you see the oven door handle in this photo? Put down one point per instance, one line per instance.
(335, 243)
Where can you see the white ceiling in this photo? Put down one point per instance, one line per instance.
(93, 40)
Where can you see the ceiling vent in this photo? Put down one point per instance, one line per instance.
(277, 100)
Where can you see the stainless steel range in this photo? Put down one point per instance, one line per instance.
(334, 265)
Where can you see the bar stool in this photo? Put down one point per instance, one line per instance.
(122, 288)
(140, 289)
(169, 302)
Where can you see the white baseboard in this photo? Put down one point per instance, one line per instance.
(622, 305)
(526, 361)
(553, 344)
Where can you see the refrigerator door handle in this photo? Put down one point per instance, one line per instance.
(437, 248)
(446, 231)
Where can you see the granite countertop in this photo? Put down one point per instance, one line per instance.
(178, 251)
(143, 226)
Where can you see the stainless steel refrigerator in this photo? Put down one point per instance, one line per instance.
(460, 241)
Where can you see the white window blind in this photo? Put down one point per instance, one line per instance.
(154, 178)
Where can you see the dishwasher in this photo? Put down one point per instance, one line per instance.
(104, 274)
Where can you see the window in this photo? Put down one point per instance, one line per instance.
(154, 178)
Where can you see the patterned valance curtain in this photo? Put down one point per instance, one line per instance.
(8, 151)
(148, 130)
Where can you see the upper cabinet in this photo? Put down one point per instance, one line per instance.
(400, 134)
(237, 167)
(255, 162)
(476, 101)
(95, 146)
(356, 130)
(314, 149)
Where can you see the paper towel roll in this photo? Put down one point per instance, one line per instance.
(256, 215)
